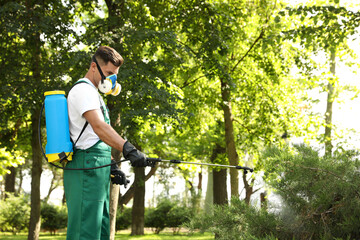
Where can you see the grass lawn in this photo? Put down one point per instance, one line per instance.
(165, 235)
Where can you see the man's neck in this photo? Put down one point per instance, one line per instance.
(90, 77)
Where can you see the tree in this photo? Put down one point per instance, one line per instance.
(29, 36)
(11, 160)
(223, 41)
(329, 107)
(326, 31)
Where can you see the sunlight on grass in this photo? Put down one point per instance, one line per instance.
(167, 236)
(123, 235)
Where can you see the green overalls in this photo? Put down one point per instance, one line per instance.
(87, 192)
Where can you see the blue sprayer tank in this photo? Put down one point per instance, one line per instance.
(57, 126)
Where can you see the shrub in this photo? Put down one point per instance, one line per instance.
(123, 219)
(320, 200)
(177, 216)
(157, 218)
(237, 221)
(15, 213)
(320, 193)
(53, 218)
(167, 214)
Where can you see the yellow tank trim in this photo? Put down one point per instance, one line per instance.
(54, 157)
(54, 93)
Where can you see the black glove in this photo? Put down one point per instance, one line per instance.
(137, 158)
(118, 176)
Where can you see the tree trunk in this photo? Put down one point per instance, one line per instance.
(55, 182)
(125, 199)
(36, 169)
(248, 189)
(20, 177)
(220, 186)
(138, 209)
(63, 200)
(200, 181)
(219, 179)
(10, 181)
(51, 188)
(329, 107)
(2, 189)
(229, 137)
(209, 197)
(114, 198)
(263, 200)
(114, 188)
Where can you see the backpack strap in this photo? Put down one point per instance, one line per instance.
(82, 131)
(86, 123)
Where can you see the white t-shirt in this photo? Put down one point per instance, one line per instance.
(83, 97)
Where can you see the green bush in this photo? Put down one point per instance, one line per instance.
(177, 216)
(14, 213)
(157, 218)
(320, 193)
(123, 219)
(237, 221)
(320, 200)
(166, 214)
(53, 218)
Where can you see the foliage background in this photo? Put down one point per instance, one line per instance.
(207, 81)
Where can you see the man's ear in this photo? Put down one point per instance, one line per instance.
(93, 66)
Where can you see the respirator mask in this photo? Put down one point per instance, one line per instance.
(108, 85)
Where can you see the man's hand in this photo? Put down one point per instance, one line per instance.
(137, 158)
(118, 176)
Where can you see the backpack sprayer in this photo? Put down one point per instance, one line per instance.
(59, 147)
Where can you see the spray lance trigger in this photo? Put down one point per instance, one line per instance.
(246, 169)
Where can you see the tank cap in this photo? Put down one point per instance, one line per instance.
(54, 93)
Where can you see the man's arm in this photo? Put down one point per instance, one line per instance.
(105, 132)
(109, 136)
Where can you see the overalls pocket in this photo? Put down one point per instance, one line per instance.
(96, 181)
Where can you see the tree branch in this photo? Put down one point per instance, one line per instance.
(188, 83)
(256, 190)
(124, 199)
(261, 35)
(186, 46)
(242, 125)
(248, 51)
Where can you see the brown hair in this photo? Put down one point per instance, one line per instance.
(106, 54)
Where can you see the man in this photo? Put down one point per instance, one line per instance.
(87, 191)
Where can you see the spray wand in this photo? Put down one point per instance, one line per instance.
(155, 160)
